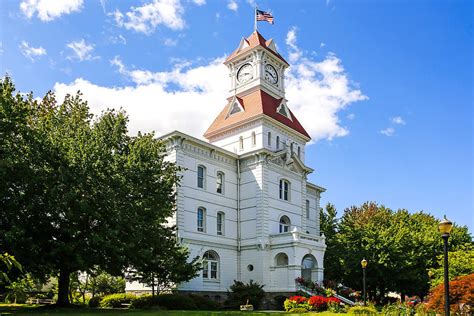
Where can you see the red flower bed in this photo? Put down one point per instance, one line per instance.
(298, 299)
(320, 302)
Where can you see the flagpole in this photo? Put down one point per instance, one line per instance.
(255, 18)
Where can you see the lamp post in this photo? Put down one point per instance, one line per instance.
(445, 227)
(363, 263)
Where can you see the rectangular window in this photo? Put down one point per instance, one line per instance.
(307, 208)
(220, 223)
(281, 189)
(200, 177)
(241, 143)
(200, 220)
(220, 182)
(269, 138)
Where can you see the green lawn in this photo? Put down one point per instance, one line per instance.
(35, 310)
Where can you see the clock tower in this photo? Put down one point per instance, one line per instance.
(257, 115)
(257, 63)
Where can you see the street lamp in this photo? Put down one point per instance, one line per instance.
(363, 263)
(445, 227)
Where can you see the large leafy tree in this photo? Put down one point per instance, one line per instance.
(400, 248)
(461, 262)
(78, 193)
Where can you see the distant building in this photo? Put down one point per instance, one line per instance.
(244, 205)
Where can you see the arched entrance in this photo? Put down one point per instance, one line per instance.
(307, 265)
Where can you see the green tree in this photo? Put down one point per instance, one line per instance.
(329, 226)
(396, 244)
(8, 263)
(77, 191)
(461, 262)
(17, 291)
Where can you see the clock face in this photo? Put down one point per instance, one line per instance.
(271, 74)
(245, 73)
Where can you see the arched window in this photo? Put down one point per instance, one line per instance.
(254, 139)
(307, 265)
(220, 182)
(284, 224)
(269, 138)
(210, 265)
(241, 143)
(220, 223)
(307, 208)
(281, 259)
(284, 190)
(201, 219)
(278, 142)
(201, 176)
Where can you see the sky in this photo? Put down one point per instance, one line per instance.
(384, 88)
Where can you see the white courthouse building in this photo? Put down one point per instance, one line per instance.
(245, 205)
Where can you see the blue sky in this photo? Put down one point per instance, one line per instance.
(384, 88)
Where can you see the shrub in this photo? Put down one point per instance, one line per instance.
(204, 303)
(95, 301)
(398, 309)
(460, 292)
(362, 310)
(116, 300)
(335, 307)
(241, 292)
(174, 302)
(318, 303)
(298, 310)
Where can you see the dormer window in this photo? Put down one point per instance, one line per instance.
(283, 110)
(235, 109)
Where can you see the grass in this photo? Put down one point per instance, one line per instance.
(12, 309)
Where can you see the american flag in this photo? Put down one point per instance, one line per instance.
(264, 16)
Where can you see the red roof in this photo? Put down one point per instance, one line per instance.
(255, 104)
(256, 39)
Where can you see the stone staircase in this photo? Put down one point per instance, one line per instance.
(310, 292)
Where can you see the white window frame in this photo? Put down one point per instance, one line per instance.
(201, 219)
(210, 266)
(220, 180)
(220, 221)
(285, 189)
(284, 224)
(203, 178)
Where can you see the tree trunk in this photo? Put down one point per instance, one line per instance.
(63, 288)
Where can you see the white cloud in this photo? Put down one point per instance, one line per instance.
(81, 50)
(351, 116)
(327, 90)
(252, 3)
(147, 18)
(170, 42)
(189, 97)
(232, 5)
(199, 2)
(322, 45)
(31, 52)
(294, 52)
(389, 131)
(398, 120)
(48, 10)
(118, 39)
